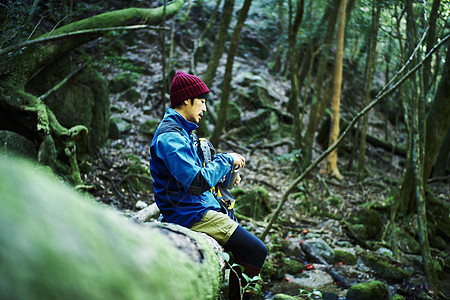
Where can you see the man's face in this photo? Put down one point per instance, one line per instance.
(195, 109)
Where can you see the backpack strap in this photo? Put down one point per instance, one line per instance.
(205, 150)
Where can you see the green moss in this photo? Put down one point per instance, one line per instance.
(346, 257)
(149, 127)
(254, 204)
(368, 291)
(334, 201)
(131, 95)
(269, 270)
(11, 142)
(370, 219)
(397, 297)
(234, 112)
(123, 81)
(68, 247)
(292, 266)
(383, 268)
(406, 242)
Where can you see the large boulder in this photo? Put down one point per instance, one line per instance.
(16, 144)
(58, 244)
(83, 100)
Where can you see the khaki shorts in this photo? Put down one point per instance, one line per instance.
(217, 225)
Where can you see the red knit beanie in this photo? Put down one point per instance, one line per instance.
(185, 86)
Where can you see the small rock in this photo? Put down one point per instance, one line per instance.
(321, 248)
(141, 204)
(385, 252)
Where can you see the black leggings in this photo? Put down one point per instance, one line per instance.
(246, 247)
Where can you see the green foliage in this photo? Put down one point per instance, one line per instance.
(316, 294)
(13, 15)
(291, 157)
(119, 62)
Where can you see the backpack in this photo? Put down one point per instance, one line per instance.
(206, 151)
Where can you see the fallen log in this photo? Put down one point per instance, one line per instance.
(145, 214)
(57, 243)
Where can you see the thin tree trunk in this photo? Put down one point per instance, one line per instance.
(293, 29)
(226, 85)
(331, 163)
(316, 110)
(163, 62)
(201, 40)
(431, 39)
(219, 44)
(416, 111)
(368, 87)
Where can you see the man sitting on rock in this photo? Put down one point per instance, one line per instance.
(182, 182)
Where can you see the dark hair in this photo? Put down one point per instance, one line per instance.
(202, 96)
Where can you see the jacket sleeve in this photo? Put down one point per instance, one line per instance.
(182, 162)
(210, 175)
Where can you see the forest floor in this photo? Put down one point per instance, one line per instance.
(120, 174)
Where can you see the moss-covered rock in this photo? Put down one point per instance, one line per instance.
(254, 204)
(292, 267)
(406, 242)
(369, 290)
(123, 81)
(257, 125)
(371, 220)
(383, 268)
(58, 244)
(122, 124)
(272, 268)
(83, 100)
(321, 248)
(131, 95)
(345, 256)
(285, 297)
(233, 117)
(149, 127)
(16, 144)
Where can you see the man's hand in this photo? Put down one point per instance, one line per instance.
(238, 160)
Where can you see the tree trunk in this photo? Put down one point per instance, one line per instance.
(219, 43)
(414, 189)
(318, 103)
(331, 162)
(431, 39)
(368, 86)
(443, 157)
(199, 43)
(219, 46)
(226, 84)
(62, 245)
(294, 95)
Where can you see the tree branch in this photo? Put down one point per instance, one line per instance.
(75, 33)
(385, 91)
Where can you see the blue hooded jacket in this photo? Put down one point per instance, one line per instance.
(176, 166)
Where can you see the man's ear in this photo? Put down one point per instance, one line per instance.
(186, 102)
